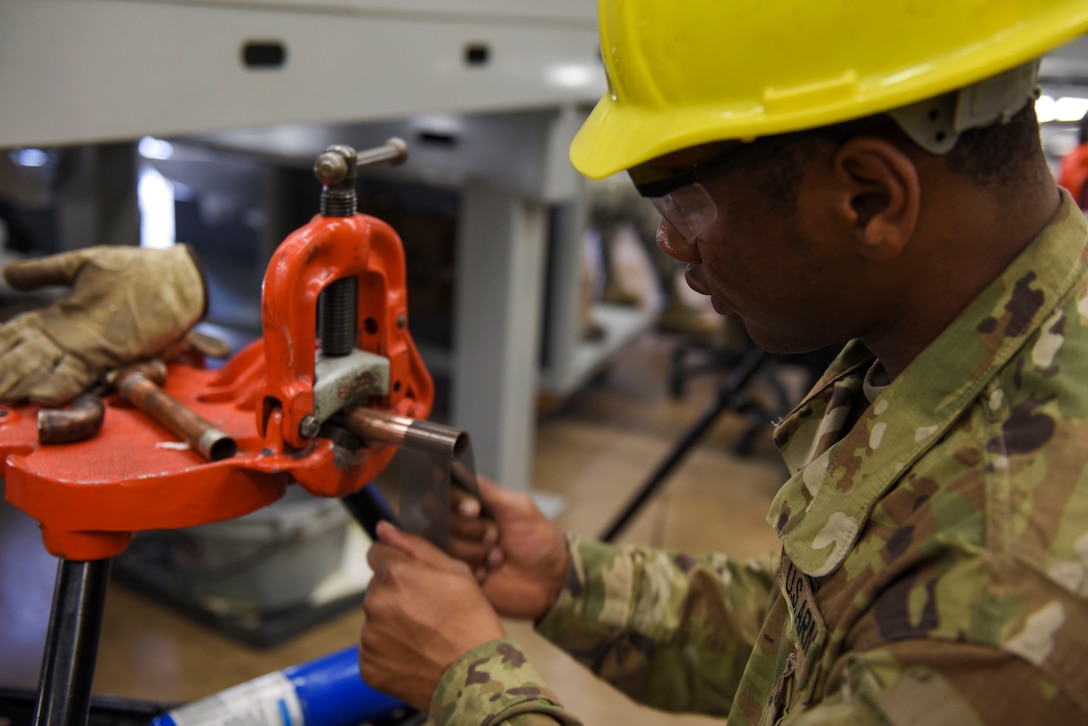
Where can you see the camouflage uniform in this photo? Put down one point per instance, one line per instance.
(934, 563)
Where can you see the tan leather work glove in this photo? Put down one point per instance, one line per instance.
(126, 304)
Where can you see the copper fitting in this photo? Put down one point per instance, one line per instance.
(79, 422)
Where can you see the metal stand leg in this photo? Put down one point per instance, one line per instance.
(728, 396)
(71, 643)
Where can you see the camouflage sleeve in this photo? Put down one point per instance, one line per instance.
(495, 684)
(671, 631)
(938, 683)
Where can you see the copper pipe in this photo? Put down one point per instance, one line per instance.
(442, 443)
(153, 369)
(78, 422)
(137, 386)
(403, 432)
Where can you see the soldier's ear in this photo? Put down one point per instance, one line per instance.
(877, 195)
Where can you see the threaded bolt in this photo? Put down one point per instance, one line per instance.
(309, 427)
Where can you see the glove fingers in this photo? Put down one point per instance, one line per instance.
(126, 303)
(209, 345)
(22, 367)
(13, 332)
(67, 380)
(202, 343)
(60, 269)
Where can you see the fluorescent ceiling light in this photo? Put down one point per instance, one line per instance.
(575, 75)
(29, 157)
(152, 148)
(1068, 109)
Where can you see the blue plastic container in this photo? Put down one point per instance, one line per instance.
(327, 691)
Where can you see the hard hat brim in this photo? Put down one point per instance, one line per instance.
(618, 136)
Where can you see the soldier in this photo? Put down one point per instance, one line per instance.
(849, 172)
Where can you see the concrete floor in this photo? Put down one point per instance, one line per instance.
(593, 450)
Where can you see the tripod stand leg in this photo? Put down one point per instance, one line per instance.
(71, 643)
(734, 383)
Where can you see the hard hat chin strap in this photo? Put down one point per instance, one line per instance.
(936, 123)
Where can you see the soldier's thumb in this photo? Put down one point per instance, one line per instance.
(504, 502)
(58, 269)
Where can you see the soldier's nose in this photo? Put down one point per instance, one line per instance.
(673, 244)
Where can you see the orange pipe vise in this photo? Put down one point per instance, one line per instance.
(335, 338)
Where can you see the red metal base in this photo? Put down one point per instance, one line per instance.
(91, 496)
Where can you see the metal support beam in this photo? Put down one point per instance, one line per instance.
(71, 643)
(97, 203)
(497, 328)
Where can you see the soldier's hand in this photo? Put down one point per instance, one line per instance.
(424, 611)
(126, 304)
(518, 555)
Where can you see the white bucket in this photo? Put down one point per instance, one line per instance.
(271, 559)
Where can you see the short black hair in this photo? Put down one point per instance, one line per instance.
(996, 156)
(989, 156)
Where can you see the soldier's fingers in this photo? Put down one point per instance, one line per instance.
(503, 502)
(473, 553)
(417, 548)
(463, 503)
(381, 558)
(473, 528)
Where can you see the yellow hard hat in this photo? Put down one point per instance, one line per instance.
(688, 72)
